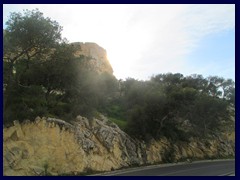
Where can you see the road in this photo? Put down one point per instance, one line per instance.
(200, 168)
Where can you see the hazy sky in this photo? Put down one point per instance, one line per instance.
(143, 40)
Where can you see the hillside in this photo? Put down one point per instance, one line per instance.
(51, 146)
(71, 89)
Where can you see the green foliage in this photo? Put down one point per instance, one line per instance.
(42, 77)
(31, 31)
(161, 106)
(120, 122)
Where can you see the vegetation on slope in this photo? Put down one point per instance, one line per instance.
(42, 77)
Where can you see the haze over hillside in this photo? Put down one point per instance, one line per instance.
(65, 113)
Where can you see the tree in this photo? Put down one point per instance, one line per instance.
(29, 38)
(208, 114)
(196, 81)
(161, 106)
(168, 78)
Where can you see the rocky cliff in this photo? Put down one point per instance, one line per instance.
(52, 146)
(96, 56)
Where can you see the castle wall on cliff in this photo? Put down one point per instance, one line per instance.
(97, 56)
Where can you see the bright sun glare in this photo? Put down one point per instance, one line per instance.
(142, 40)
(119, 55)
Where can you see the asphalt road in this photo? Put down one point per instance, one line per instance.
(200, 168)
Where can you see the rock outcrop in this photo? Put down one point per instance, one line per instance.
(53, 146)
(96, 56)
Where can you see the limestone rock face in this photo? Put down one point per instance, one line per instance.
(96, 56)
(53, 146)
(57, 147)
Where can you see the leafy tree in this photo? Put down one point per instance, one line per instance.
(208, 113)
(29, 35)
(197, 82)
(28, 38)
(161, 106)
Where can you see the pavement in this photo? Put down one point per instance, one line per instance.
(196, 168)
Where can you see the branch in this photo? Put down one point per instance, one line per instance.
(23, 85)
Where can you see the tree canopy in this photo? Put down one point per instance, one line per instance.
(43, 77)
(41, 74)
(178, 107)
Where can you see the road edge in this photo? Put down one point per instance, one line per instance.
(132, 169)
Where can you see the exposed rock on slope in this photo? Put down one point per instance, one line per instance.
(66, 148)
(96, 56)
(54, 146)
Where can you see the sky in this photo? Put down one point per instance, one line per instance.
(146, 40)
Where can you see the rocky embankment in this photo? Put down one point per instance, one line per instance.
(52, 146)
